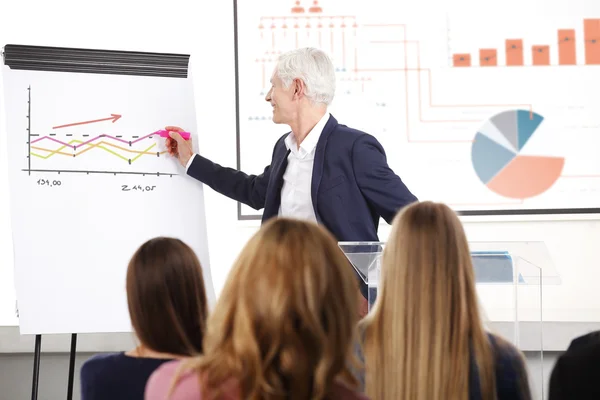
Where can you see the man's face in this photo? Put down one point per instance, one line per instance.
(282, 101)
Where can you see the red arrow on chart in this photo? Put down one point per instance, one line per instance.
(114, 119)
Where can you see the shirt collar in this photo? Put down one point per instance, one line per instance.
(310, 141)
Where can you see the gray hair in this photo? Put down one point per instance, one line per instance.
(314, 68)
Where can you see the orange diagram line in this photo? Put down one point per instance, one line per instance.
(406, 70)
(52, 152)
(93, 146)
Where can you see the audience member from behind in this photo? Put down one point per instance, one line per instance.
(283, 327)
(168, 311)
(424, 338)
(576, 372)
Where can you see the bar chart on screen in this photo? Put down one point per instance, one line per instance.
(537, 41)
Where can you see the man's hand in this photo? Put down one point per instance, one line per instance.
(178, 146)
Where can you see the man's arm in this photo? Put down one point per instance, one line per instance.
(382, 188)
(248, 189)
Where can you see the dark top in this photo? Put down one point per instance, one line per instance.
(352, 184)
(511, 375)
(577, 372)
(116, 376)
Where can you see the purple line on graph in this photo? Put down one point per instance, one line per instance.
(91, 140)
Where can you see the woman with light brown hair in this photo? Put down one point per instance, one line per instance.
(424, 338)
(168, 310)
(283, 327)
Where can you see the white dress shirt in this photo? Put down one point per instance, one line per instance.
(296, 200)
(187, 166)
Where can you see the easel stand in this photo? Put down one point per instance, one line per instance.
(36, 366)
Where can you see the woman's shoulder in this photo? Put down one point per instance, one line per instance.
(508, 358)
(100, 363)
(174, 381)
(511, 375)
(504, 350)
(117, 364)
(103, 358)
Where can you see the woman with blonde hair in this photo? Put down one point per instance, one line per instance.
(283, 327)
(424, 339)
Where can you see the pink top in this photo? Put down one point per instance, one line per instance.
(188, 387)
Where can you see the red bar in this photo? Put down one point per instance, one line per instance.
(591, 32)
(514, 52)
(461, 60)
(540, 55)
(488, 57)
(566, 47)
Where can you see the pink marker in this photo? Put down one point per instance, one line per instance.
(165, 134)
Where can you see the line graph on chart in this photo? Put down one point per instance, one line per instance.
(78, 151)
(80, 147)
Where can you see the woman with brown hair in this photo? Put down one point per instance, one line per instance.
(168, 311)
(283, 326)
(424, 339)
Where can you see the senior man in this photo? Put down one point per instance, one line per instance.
(321, 170)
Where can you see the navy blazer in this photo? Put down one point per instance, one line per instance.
(352, 184)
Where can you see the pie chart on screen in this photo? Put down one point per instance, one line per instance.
(498, 164)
